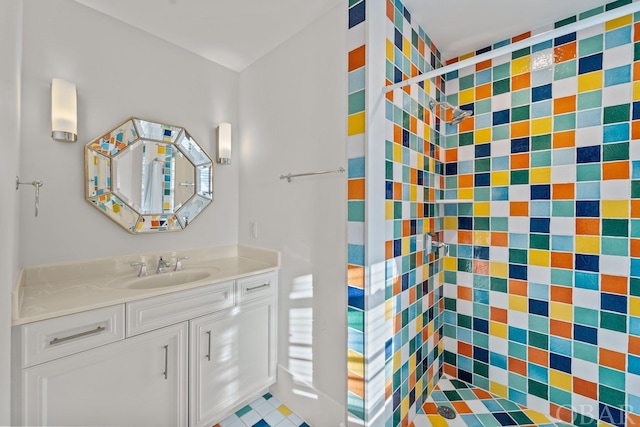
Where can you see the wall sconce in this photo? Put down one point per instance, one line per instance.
(224, 143)
(64, 111)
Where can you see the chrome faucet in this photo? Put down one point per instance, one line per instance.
(162, 265)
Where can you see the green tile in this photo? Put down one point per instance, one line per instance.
(564, 70)
(538, 389)
(589, 100)
(500, 132)
(518, 256)
(450, 276)
(580, 420)
(539, 241)
(517, 382)
(521, 97)
(560, 397)
(481, 223)
(355, 211)
(562, 122)
(520, 177)
(562, 208)
(465, 139)
(466, 82)
(635, 189)
(615, 227)
(500, 285)
(613, 321)
(636, 51)
(450, 304)
(634, 287)
(508, 405)
(565, 21)
(539, 340)
(483, 106)
(591, 12)
(356, 102)
(467, 394)
(539, 324)
(480, 368)
(519, 351)
(464, 321)
(243, 410)
(449, 358)
(481, 340)
(588, 172)
(562, 277)
(616, 4)
(616, 113)
(586, 316)
(541, 142)
(520, 418)
(482, 165)
(452, 395)
(614, 246)
(501, 86)
(590, 45)
(499, 223)
(520, 113)
(465, 209)
(521, 53)
(612, 378)
(449, 331)
(635, 228)
(502, 71)
(488, 420)
(612, 152)
(540, 159)
(585, 352)
(611, 396)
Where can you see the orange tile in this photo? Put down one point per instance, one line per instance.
(538, 356)
(585, 388)
(465, 237)
(397, 134)
(356, 384)
(520, 161)
(389, 95)
(357, 58)
(499, 315)
(467, 125)
(562, 260)
(483, 91)
(481, 267)
(451, 155)
(465, 181)
(562, 294)
(564, 139)
(519, 208)
(563, 191)
(590, 227)
(465, 349)
(564, 105)
(564, 52)
(615, 170)
(634, 345)
(635, 208)
(406, 228)
(614, 284)
(635, 125)
(521, 81)
(520, 129)
(517, 366)
(390, 11)
(561, 413)
(430, 408)
(613, 359)
(521, 37)
(461, 407)
(465, 293)
(397, 191)
(388, 249)
(636, 32)
(481, 394)
(517, 287)
(633, 419)
(483, 65)
(413, 124)
(561, 329)
(355, 189)
(450, 370)
(499, 239)
(355, 275)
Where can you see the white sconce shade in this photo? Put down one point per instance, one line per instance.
(64, 111)
(224, 143)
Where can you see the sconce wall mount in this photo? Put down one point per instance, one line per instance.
(224, 144)
(64, 111)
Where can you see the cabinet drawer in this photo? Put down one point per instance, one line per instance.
(54, 338)
(260, 286)
(156, 312)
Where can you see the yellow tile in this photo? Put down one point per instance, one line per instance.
(537, 417)
(406, 47)
(466, 96)
(497, 329)
(541, 126)
(560, 380)
(499, 389)
(499, 269)
(284, 410)
(437, 421)
(618, 22)
(465, 194)
(450, 223)
(388, 207)
(355, 362)
(397, 153)
(412, 362)
(420, 163)
(404, 407)
(450, 264)
(500, 178)
(615, 208)
(482, 136)
(481, 238)
(482, 208)
(116, 208)
(636, 90)
(388, 309)
(540, 175)
(161, 149)
(467, 55)
(588, 244)
(634, 306)
(520, 65)
(406, 245)
(355, 124)
(539, 257)
(389, 50)
(397, 360)
(413, 193)
(590, 81)
(419, 325)
(518, 303)
(561, 311)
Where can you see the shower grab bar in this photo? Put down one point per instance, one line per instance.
(289, 176)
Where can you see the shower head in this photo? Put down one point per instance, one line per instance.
(458, 114)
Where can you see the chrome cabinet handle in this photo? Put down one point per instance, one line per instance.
(258, 287)
(209, 351)
(166, 362)
(78, 335)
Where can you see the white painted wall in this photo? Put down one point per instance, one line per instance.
(119, 72)
(10, 46)
(293, 115)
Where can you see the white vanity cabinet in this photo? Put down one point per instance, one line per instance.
(233, 352)
(190, 357)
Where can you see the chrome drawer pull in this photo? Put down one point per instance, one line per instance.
(81, 334)
(258, 287)
(209, 353)
(166, 362)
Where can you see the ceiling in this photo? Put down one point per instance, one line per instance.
(235, 33)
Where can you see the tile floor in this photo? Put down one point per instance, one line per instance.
(477, 408)
(266, 411)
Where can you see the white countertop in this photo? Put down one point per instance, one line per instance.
(47, 291)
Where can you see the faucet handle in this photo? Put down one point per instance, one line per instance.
(178, 266)
(143, 268)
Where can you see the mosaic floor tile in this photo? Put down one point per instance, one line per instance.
(476, 407)
(266, 411)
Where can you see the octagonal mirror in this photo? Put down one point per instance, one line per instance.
(148, 177)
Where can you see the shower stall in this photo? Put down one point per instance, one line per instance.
(523, 158)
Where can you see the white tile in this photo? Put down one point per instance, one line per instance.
(591, 31)
(296, 420)
(355, 146)
(614, 265)
(465, 307)
(286, 423)
(619, 189)
(467, 71)
(612, 340)
(250, 418)
(502, 59)
(231, 421)
(500, 148)
(586, 298)
(585, 370)
(498, 254)
(617, 56)
(498, 345)
(274, 417)
(498, 375)
(501, 102)
(466, 152)
(565, 87)
(263, 408)
(500, 208)
(616, 95)
(563, 174)
(539, 274)
(464, 278)
(499, 300)
(540, 60)
(421, 421)
(519, 192)
(634, 151)
(587, 137)
(518, 224)
(518, 319)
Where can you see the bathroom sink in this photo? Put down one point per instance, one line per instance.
(173, 278)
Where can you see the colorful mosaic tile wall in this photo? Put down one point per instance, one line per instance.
(542, 294)
(413, 165)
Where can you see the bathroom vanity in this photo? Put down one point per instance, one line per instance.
(94, 344)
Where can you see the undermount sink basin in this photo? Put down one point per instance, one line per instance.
(170, 279)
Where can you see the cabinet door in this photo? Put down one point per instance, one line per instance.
(141, 381)
(232, 359)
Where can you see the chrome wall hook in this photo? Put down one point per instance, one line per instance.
(37, 184)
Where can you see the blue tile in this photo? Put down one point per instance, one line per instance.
(481, 354)
(517, 335)
(518, 272)
(612, 302)
(541, 109)
(561, 243)
(500, 360)
(520, 145)
(465, 223)
(589, 118)
(357, 14)
(633, 363)
(539, 225)
(589, 154)
(538, 373)
(483, 150)
(618, 75)
(616, 132)
(483, 77)
(541, 192)
(500, 163)
(588, 190)
(617, 37)
(499, 193)
(587, 280)
(356, 297)
(482, 179)
(590, 63)
(541, 93)
(500, 117)
(541, 308)
(585, 334)
(635, 115)
(587, 262)
(560, 346)
(567, 38)
(560, 363)
(588, 208)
